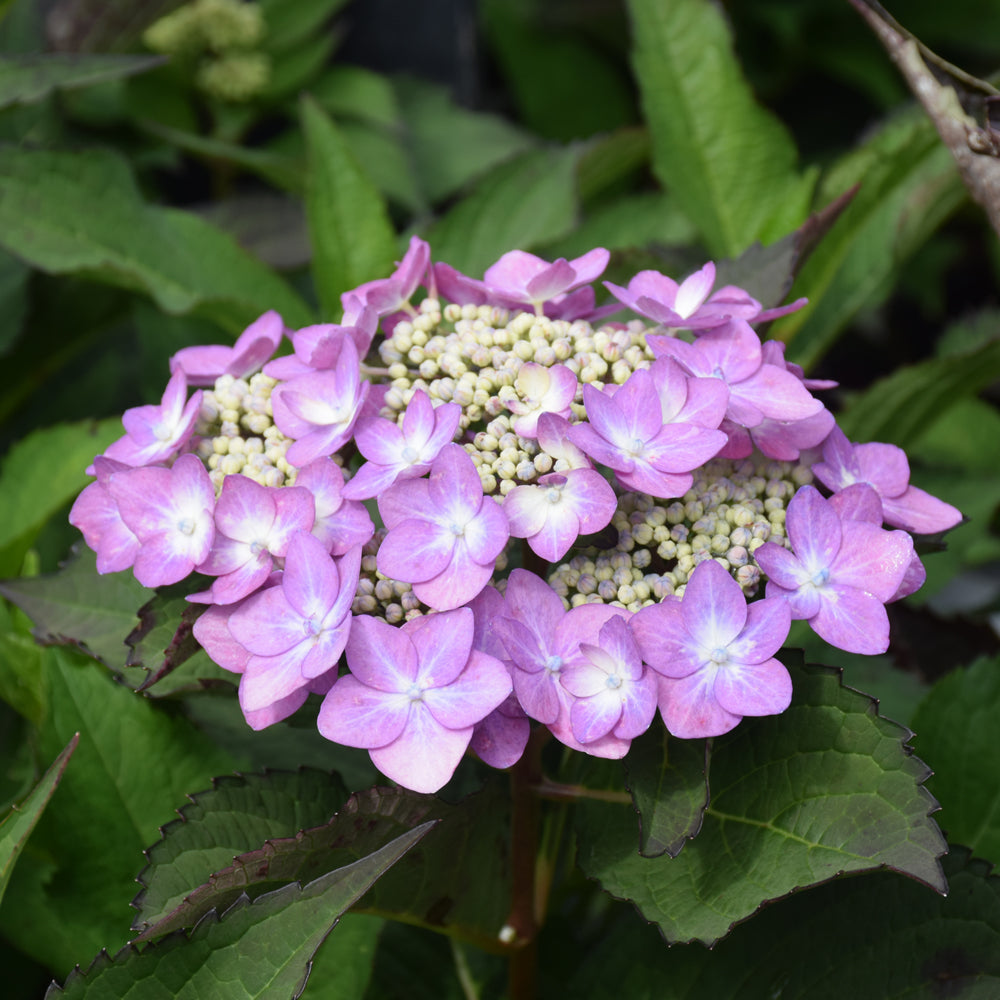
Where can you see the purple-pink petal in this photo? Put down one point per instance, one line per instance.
(763, 688)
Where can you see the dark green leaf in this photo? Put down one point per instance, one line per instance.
(353, 240)
(134, 764)
(908, 187)
(260, 949)
(238, 814)
(520, 205)
(81, 213)
(956, 731)
(355, 92)
(899, 407)
(16, 826)
(41, 474)
(22, 680)
(387, 161)
(295, 68)
(344, 963)
(872, 938)
(826, 788)
(729, 161)
(450, 146)
(611, 159)
(632, 221)
(76, 605)
(27, 79)
(288, 24)
(13, 299)
(668, 780)
(468, 848)
(565, 87)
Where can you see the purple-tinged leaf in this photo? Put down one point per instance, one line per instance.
(256, 949)
(469, 846)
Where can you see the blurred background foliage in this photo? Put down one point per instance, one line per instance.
(169, 172)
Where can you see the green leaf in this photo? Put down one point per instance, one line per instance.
(343, 965)
(260, 949)
(901, 406)
(41, 474)
(360, 93)
(956, 731)
(827, 787)
(28, 79)
(77, 605)
(352, 238)
(13, 299)
(450, 146)
(238, 814)
(668, 780)
(566, 87)
(872, 938)
(16, 826)
(289, 24)
(908, 187)
(134, 763)
(520, 205)
(729, 162)
(80, 213)
(469, 847)
(22, 681)
(631, 221)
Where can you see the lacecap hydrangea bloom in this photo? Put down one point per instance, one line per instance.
(673, 492)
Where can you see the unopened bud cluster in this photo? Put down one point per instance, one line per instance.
(731, 510)
(238, 434)
(221, 37)
(471, 355)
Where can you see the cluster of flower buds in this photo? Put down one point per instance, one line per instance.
(654, 472)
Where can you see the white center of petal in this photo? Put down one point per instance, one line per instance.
(257, 547)
(554, 664)
(415, 693)
(410, 454)
(186, 526)
(613, 681)
(553, 494)
(458, 530)
(719, 655)
(820, 577)
(638, 447)
(718, 373)
(311, 627)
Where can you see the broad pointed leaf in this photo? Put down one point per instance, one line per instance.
(826, 788)
(352, 238)
(80, 213)
(874, 938)
(524, 203)
(908, 187)
(258, 949)
(469, 847)
(729, 161)
(238, 814)
(29, 78)
(16, 826)
(133, 765)
(41, 474)
(956, 729)
(77, 605)
(901, 406)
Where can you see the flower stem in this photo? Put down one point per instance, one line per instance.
(522, 922)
